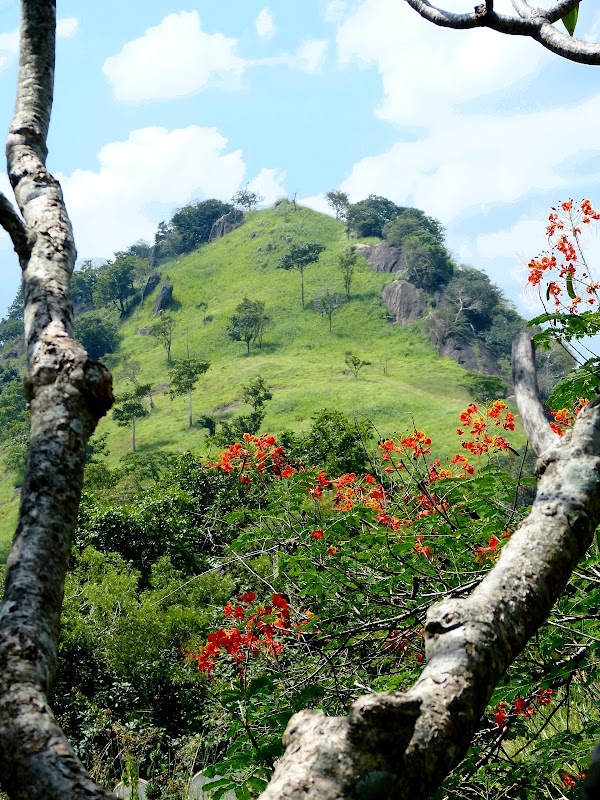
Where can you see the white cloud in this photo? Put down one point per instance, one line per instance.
(335, 10)
(469, 162)
(270, 183)
(311, 54)
(108, 207)
(427, 71)
(309, 57)
(173, 59)
(67, 27)
(265, 27)
(318, 203)
(9, 44)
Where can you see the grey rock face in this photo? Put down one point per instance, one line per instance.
(382, 258)
(226, 224)
(163, 298)
(405, 301)
(151, 284)
(472, 355)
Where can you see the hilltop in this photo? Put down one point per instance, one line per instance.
(406, 381)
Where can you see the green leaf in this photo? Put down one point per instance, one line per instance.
(570, 20)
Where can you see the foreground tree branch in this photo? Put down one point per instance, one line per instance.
(67, 394)
(402, 746)
(536, 23)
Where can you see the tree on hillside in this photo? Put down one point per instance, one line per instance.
(247, 199)
(299, 256)
(339, 202)
(83, 284)
(184, 375)
(256, 394)
(328, 302)
(163, 331)
(411, 221)
(428, 264)
(188, 228)
(114, 283)
(128, 408)
(203, 307)
(422, 734)
(248, 322)
(368, 217)
(130, 371)
(97, 333)
(398, 745)
(348, 258)
(355, 363)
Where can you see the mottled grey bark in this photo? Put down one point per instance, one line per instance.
(537, 23)
(67, 394)
(401, 746)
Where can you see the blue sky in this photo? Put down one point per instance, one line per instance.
(161, 103)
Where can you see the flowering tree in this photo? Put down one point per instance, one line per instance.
(402, 745)
(390, 744)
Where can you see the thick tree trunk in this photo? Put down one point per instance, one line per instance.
(67, 394)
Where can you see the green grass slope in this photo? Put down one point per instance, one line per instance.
(300, 360)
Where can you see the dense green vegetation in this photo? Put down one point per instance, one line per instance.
(223, 579)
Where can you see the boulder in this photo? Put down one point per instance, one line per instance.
(163, 298)
(151, 284)
(144, 331)
(382, 258)
(472, 354)
(404, 301)
(226, 224)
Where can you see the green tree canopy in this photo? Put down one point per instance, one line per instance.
(299, 256)
(114, 283)
(411, 221)
(98, 334)
(163, 331)
(184, 375)
(248, 322)
(247, 199)
(188, 228)
(428, 264)
(339, 202)
(328, 302)
(128, 407)
(368, 217)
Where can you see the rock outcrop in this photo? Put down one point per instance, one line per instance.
(472, 354)
(163, 298)
(151, 284)
(404, 301)
(225, 224)
(383, 258)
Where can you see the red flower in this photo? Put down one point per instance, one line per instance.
(318, 534)
(332, 551)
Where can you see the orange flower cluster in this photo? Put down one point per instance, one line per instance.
(477, 421)
(263, 624)
(565, 258)
(569, 780)
(482, 553)
(416, 443)
(520, 707)
(564, 417)
(255, 455)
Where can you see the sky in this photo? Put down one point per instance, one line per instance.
(160, 103)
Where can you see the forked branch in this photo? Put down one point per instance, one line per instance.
(536, 23)
(401, 746)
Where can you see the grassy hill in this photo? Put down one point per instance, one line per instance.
(300, 360)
